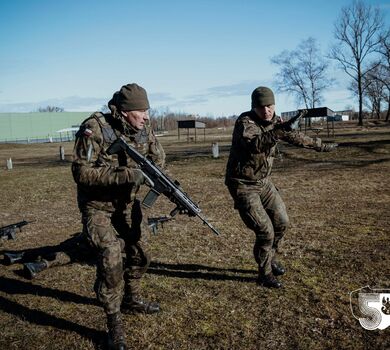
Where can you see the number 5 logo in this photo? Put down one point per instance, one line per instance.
(373, 305)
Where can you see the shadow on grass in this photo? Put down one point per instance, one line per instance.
(11, 286)
(200, 272)
(44, 319)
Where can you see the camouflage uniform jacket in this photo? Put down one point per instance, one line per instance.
(105, 181)
(253, 148)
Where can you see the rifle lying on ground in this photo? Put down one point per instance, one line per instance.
(160, 184)
(10, 230)
(155, 221)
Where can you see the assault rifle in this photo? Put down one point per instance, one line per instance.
(155, 221)
(10, 230)
(160, 184)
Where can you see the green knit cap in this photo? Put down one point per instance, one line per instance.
(262, 96)
(130, 97)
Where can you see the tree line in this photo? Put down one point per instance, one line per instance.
(168, 120)
(361, 50)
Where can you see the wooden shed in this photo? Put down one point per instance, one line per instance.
(313, 114)
(320, 112)
(191, 124)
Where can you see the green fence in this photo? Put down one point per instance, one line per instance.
(39, 127)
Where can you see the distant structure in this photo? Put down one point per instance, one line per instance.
(68, 134)
(346, 114)
(39, 127)
(316, 114)
(191, 124)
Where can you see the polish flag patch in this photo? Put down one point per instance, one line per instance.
(88, 132)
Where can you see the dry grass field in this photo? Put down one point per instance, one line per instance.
(338, 241)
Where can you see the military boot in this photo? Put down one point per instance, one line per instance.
(13, 258)
(31, 269)
(277, 269)
(268, 280)
(116, 335)
(134, 303)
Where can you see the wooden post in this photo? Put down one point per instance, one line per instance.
(215, 149)
(327, 125)
(9, 164)
(333, 127)
(62, 153)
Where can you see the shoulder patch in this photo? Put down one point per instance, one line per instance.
(88, 126)
(88, 132)
(84, 131)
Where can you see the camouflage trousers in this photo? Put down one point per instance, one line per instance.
(121, 258)
(262, 210)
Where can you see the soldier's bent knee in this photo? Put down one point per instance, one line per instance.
(112, 265)
(281, 222)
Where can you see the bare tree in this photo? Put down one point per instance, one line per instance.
(384, 69)
(303, 73)
(50, 109)
(375, 89)
(358, 32)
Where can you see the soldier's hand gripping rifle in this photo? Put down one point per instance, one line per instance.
(9, 231)
(160, 184)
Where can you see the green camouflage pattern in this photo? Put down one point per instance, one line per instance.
(254, 146)
(106, 195)
(248, 173)
(263, 211)
(107, 181)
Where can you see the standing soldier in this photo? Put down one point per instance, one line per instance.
(106, 185)
(258, 202)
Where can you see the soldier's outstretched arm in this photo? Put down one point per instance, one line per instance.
(301, 140)
(288, 131)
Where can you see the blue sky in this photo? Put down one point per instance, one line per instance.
(198, 57)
